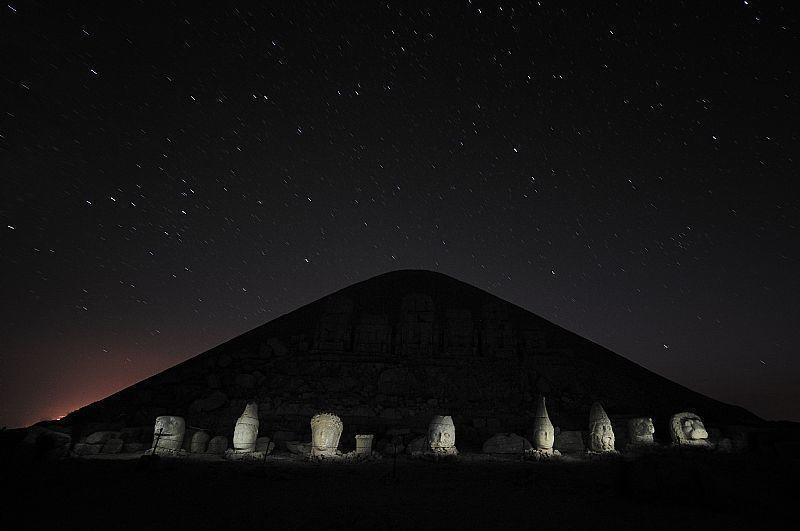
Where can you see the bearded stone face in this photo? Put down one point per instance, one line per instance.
(641, 430)
(688, 429)
(693, 429)
(602, 437)
(441, 433)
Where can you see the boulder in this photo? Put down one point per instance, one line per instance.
(87, 449)
(133, 447)
(217, 445)
(42, 442)
(112, 446)
(418, 445)
(570, 442)
(506, 443)
(264, 445)
(198, 442)
(297, 447)
(99, 437)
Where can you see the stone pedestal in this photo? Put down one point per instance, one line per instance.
(364, 444)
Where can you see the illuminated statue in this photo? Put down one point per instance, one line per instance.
(543, 431)
(246, 431)
(168, 435)
(364, 444)
(601, 434)
(442, 436)
(641, 431)
(688, 429)
(326, 429)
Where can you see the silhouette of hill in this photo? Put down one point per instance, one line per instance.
(392, 351)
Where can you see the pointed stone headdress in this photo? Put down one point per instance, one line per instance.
(541, 412)
(598, 415)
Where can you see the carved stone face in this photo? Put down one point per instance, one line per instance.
(602, 437)
(688, 428)
(326, 429)
(544, 438)
(246, 431)
(641, 430)
(441, 433)
(693, 428)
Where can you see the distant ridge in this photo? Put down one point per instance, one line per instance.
(392, 351)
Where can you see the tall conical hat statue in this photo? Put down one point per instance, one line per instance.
(598, 415)
(541, 413)
(251, 410)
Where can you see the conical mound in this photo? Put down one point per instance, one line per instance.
(392, 351)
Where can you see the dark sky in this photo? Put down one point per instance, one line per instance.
(173, 176)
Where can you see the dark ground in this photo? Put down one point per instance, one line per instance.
(678, 490)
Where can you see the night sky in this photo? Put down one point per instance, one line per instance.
(172, 176)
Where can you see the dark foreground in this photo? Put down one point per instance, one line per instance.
(669, 490)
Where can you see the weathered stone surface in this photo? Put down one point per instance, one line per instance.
(46, 443)
(334, 332)
(442, 435)
(168, 434)
(264, 445)
(641, 430)
(213, 401)
(416, 327)
(112, 446)
(506, 443)
(199, 442)
(688, 429)
(543, 430)
(299, 448)
(133, 447)
(245, 381)
(217, 445)
(246, 431)
(569, 442)
(364, 444)
(99, 437)
(418, 446)
(601, 433)
(373, 334)
(326, 429)
(87, 449)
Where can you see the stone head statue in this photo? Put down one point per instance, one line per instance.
(543, 432)
(687, 428)
(442, 434)
(326, 429)
(641, 430)
(246, 431)
(601, 434)
(168, 433)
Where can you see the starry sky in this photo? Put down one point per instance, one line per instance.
(173, 175)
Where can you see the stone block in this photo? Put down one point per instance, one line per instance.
(506, 443)
(113, 446)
